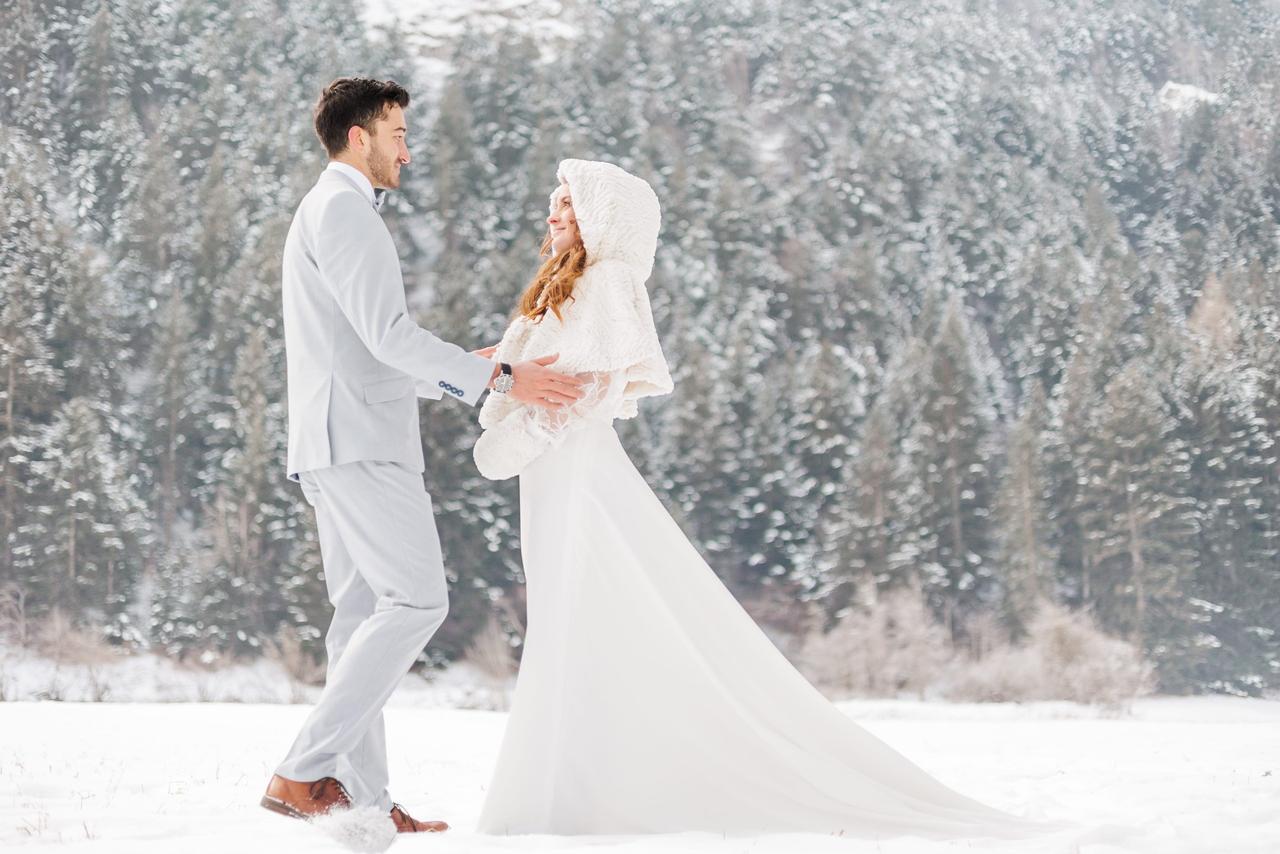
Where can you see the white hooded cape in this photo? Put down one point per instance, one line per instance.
(607, 328)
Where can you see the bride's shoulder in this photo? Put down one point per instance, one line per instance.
(601, 286)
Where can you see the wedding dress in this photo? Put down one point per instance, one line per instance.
(647, 698)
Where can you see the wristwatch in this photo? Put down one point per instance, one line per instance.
(504, 381)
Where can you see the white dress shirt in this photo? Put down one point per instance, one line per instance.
(375, 197)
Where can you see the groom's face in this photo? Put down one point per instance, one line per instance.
(387, 151)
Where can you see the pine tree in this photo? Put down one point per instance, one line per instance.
(1137, 516)
(739, 514)
(70, 508)
(856, 534)
(103, 126)
(1230, 457)
(1026, 557)
(87, 522)
(30, 376)
(949, 453)
(1263, 348)
(820, 437)
(172, 428)
(27, 67)
(238, 593)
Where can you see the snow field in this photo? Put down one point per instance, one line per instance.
(1194, 775)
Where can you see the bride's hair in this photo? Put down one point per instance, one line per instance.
(553, 283)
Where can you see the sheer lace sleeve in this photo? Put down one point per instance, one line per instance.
(503, 450)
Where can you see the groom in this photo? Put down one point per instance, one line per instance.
(356, 365)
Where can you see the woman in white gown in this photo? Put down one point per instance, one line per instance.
(647, 699)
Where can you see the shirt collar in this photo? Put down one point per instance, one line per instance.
(362, 183)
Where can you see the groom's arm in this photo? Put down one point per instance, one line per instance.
(422, 388)
(358, 260)
(434, 392)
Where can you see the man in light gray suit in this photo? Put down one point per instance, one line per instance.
(357, 363)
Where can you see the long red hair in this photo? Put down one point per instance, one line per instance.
(553, 284)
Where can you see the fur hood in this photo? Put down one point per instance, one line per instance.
(617, 213)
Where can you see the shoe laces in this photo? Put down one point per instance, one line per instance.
(317, 789)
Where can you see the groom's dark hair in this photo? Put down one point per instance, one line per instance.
(351, 101)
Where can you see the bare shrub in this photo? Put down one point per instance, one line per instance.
(61, 640)
(55, 691)
(882, 650)
(490, 663)
(984, 634)
(1086, 665)
(787, 620)
(1004, 675)
(1065, 657)
(98, 683)
(13, 613)
(287, 649)
(490, 651)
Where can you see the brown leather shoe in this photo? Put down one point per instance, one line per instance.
(298, 799)
(406, 823)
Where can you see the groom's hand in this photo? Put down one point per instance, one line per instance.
(486, 352)
(536, 384)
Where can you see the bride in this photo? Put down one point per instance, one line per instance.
(647, 699)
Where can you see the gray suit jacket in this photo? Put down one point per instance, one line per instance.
(355, 357)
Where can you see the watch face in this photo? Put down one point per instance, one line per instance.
(503, 383)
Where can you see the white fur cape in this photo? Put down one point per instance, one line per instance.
(608, 323)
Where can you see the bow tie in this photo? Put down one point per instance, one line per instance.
(379, 198)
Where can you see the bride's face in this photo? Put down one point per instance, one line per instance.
(564, 226)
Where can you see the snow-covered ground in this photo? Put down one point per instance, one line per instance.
(144, 678)
(1185, 775)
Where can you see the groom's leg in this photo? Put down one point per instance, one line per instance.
(363, 771)
(381, 514)
(366, 767)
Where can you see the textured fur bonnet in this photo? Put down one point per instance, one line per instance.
(617, 212)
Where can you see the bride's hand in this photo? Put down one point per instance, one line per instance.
(486, 352)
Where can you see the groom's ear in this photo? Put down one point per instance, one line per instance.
(357, 138)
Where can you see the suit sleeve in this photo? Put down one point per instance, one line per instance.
(422, 388)
(358, 260)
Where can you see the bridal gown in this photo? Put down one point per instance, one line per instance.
(649, 701)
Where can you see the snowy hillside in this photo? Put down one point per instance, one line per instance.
(429, 28)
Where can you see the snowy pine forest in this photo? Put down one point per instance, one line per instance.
(973, 309)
